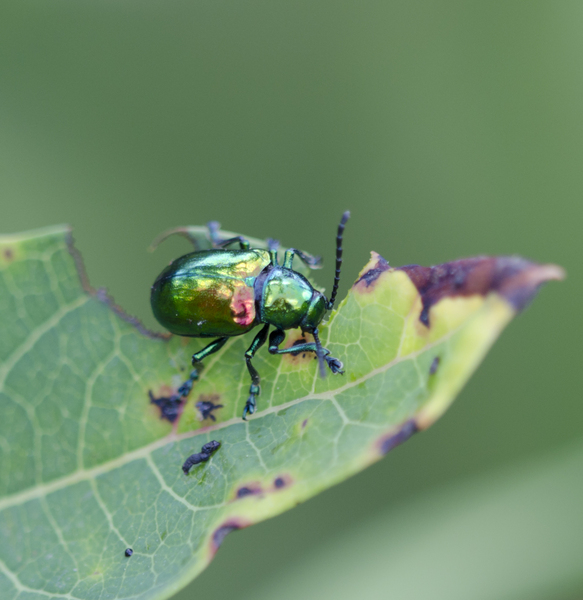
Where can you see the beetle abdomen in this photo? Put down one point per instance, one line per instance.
(209, 293)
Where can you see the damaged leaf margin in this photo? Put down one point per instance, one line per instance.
(88, 467)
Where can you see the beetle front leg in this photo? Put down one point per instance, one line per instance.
(277, 337)
(254, 389)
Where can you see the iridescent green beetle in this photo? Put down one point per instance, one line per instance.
(221, 293)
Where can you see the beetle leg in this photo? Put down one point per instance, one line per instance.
(243, 243)
(314, 262)
(217, 242)
(213, 347)
(254, 390)
(277, 337)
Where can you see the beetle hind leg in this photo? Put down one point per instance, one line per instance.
(255, 388)
(277, 337)
(184, 390)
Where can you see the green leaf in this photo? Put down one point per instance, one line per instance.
(88, 467)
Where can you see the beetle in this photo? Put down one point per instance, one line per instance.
(221, 293)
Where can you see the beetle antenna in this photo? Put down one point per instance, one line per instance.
(343, 220)
(319, 353)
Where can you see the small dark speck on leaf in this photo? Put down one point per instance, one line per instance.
(244, 491)
(279, 482)
(304, 423)
(129, 552)
(434, 365)
(8, 254)
(206, 405)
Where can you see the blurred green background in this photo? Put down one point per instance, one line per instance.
(449, 129)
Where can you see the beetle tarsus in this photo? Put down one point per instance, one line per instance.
(186, 387)
(335, 365)
(249, 407)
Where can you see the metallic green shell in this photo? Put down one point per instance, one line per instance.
(209, 293)
(285, 298)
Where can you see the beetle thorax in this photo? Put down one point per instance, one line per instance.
(285, 298)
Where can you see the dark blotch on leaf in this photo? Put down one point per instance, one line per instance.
(304, 423)
(129, 552)
(169, 406)
(245, 491)
(221, 533)
(406, 431)
(206, 405)
(8, 255)
(514, 278)
(279, 482)
(434, 365)
(369, 277)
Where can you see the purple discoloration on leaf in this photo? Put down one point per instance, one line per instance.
(402, 435)
(368, 277)
(221, 532)
(514, 278)
(8, 254)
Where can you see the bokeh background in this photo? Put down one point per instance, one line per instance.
(449, 129)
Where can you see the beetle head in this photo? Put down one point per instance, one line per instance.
(315, 312)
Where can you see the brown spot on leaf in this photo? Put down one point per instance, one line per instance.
(295, 337)
(8, 254)
(372, 271)
(304, 423)
(387, 443)
(514, 278)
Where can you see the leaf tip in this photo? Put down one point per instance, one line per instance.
(370, 273)
(514, 278)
